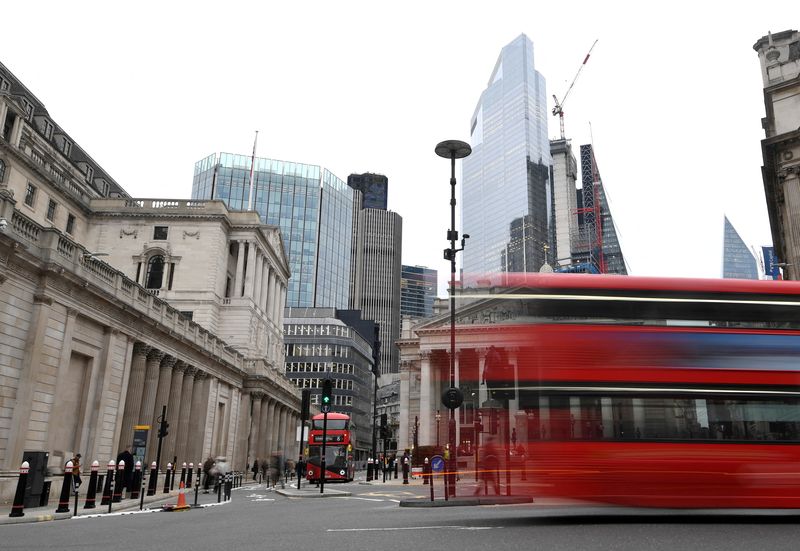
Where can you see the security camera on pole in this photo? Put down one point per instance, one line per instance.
(452, 397)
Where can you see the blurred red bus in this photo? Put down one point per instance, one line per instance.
(643, 391)
(339, 465)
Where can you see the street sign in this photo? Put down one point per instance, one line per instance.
(437, 463)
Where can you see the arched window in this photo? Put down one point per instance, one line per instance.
(2, 170)
(155, 272)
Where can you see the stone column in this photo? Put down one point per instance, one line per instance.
(187, 387)
(197, 421)
(134, 396)
(255, 425)
(249, 278)
(271, 427)
(291, 435)
(282, 430)
(281, 305)
(242, 455)
(162, 396)
(257, 281)
(150, 387)
(275, 300)
(269, 303)
(425, 405)
(262, 428)
(174, 411)
(265, 271)
(237, 284)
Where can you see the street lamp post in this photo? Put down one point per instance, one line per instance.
(453, 149)
(438, 418)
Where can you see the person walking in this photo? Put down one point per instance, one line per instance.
(255, 469)
(76, 470)
(127, 474)
(208, 465)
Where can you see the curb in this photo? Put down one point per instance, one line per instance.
(27, 519)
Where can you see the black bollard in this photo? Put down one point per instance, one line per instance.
(141, 491)
(189, 475)
(166, 478)
(425, 473)
(91, 493)
(199, 470)
(120, 482)
(151, 487)
(219, 488)
(100, 481)
(183, 475)
(19, 497)
(63, 500)
(196, 491)
(107, 487)
(116, 481)
(136, 483)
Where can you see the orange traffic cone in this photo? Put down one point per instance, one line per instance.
(181, 506)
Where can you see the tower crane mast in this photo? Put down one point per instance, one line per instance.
(559, 105)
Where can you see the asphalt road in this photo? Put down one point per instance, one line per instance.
(371, 519)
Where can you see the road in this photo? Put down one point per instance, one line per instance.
(370, 519)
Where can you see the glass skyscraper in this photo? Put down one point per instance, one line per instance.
(737, 260)
(312, 207)
(506, 192)
(418, 286)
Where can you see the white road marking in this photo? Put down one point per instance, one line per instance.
(263, 499)
(117, 514)
(411, 528)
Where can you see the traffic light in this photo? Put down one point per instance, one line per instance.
(327, 390)
(162, 429)
(305, 406)
(384, 420)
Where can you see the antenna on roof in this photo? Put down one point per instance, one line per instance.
(252, 168)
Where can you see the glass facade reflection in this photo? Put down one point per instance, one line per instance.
(418, 286)
(737, 260)
(506, 192)
(312, 207)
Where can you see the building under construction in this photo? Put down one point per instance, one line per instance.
(594, 244)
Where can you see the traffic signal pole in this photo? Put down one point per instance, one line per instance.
(327, 390)
(162, 432)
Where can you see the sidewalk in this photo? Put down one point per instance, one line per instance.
(154, 503)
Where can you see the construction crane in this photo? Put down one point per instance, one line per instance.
(559, 108)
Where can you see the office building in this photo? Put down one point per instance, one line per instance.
(374, 189)
(418, 287)
(737, 260)
(312, 207)
(507, 191)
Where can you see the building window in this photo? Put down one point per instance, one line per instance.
(160, 232)
(48, 129)
(30, 195)
(155, 272)
(2, 170)
(70, 223)
(51, 210)
(188, 314)
(67, 147)
(89, 174)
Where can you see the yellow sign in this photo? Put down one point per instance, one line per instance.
(349, 447)
(141, 427)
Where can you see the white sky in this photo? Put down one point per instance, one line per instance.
(673, 92)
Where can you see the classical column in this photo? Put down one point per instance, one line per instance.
(262, 428)
(269, 303)
(425, 405)
(271, 427)
(197, 421)
(150, 387)
(174, 410)
(276, 300)
(162, 396)
(281, 303)
(237, 285)
(187, 387)
(249, 278)
(483, 390)
(291, 435)
(242, 455)
(257, 281)
(134, 397)
(255, 426)
(282, 430)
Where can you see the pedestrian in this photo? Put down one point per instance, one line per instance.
(255, 469)
(208, 465)
(264, 465)
(76, 470)
(219, 470)
(127, 474)
(300, 466)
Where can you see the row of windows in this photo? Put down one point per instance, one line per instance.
(318, 350)
(337, 400)
(31, 193)
(335, 330)
(320, 367)
(341, 384)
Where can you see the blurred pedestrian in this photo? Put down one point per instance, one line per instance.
(208, 466)
(76, 470)
(255, 469)
(127, 474)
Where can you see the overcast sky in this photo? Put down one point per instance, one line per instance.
(673, 93)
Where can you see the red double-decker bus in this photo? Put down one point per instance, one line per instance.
(339, 465)
(641, 391)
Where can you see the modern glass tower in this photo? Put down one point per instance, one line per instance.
(507, 191)
(417, 291)
(737, 260)
(312, 207)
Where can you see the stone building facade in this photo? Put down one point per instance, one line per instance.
(90, 346)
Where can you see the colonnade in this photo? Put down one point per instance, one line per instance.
(272, 427)
(258, 279)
